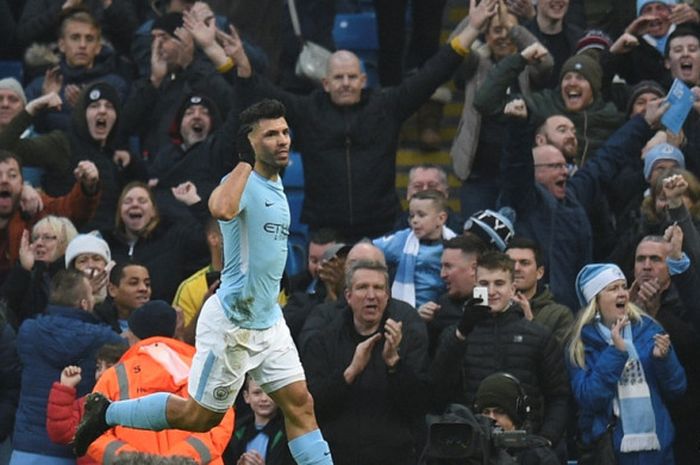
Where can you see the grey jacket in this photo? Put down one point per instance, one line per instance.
(478, 63)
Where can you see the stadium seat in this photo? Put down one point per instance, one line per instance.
(11, 68)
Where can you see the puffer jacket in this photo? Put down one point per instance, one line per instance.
(506, 342)
(10, 377)
(63, 336)
(63, 414)
(156, 364)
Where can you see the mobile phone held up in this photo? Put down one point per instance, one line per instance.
(481, 292)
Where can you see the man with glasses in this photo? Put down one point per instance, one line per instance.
(552, 205)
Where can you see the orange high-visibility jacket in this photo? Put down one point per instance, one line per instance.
(157, 364)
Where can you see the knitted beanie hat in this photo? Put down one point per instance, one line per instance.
(87, 243)
(662, 151)
(644, 87)
(102, 90)
(198, 99)
(594, 278)
(593, 39)
(13, 85)
(588, 67)
(642, 3)
(498, 390)
(154, 318)
(494, 228)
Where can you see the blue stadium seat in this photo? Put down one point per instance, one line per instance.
(293, 180)
(358, 32)
(295, 199)
(293, 176)
(11, 68)
(296, 254)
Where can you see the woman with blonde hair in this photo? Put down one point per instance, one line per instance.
(622, 366)
(40, 258)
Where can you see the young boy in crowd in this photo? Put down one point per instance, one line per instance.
(259, 437)
(64, 411)
(415, 252)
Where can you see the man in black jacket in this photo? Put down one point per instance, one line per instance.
(495, 337)
(367, 372)
(348, 135)
(175, 71)
(200, 151)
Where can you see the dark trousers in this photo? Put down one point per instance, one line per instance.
(424, 41)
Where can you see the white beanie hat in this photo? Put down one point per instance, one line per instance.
(87, 243)
(13, 85)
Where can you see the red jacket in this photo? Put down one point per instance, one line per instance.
(157, 364)
(63, 414)
(75, 205)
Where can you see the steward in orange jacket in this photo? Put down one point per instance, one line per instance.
(156, 364)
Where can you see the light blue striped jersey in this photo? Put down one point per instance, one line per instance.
(255, 254)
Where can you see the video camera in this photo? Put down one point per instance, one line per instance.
(460, 437)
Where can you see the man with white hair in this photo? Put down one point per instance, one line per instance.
(12, 101)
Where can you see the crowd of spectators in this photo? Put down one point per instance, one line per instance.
(562, 298)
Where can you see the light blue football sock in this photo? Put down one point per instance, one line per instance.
(146, 412)
(310, 449)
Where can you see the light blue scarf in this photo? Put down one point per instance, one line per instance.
(404, 288)
(633, 399)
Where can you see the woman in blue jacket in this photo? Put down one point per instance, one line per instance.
(622, 365)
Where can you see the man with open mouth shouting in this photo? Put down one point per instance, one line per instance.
(577, 97)
(78, 205)
(91, 136)
(642, 52)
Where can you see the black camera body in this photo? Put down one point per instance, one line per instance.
(518, 439)
(460, 437)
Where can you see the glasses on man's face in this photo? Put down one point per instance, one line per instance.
(553, 166)
(44, 238)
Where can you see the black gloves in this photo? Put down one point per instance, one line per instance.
(246, 154)
(473, 313)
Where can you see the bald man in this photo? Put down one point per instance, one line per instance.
(348, 135)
